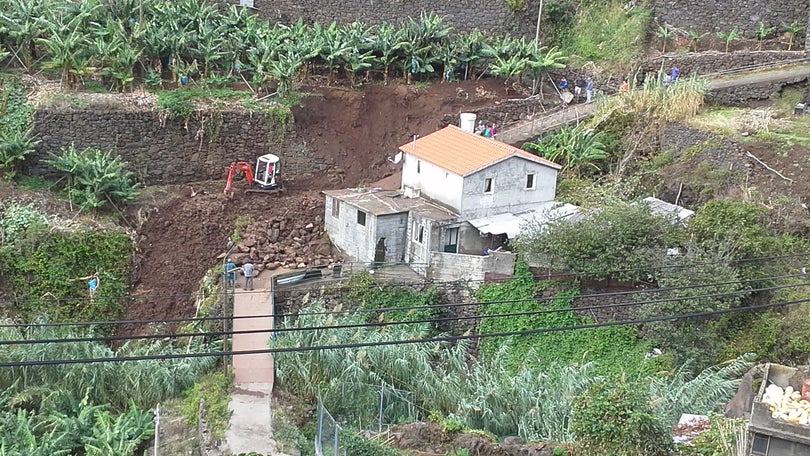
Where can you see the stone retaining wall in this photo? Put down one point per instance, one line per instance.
(712, 62)
(490, 15)
(724, 15)
(164, 151)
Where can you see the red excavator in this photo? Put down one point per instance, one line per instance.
(265, 178)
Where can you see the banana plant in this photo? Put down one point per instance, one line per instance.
(666, 33)
(694, 37)
(728, 37)
(762, 32)
(335, 45)
(792, 29)
(23, 22)
(508, 66)
(355, 62)
(283, 70)
(210, 47)
(544, 59)
(471, 50)
(388, 42)
(67, 48)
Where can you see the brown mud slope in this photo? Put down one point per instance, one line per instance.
(359, 129)
(182, 236)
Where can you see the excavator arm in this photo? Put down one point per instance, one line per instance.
(235, 167)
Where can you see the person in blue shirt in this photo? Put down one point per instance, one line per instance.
(588, 90)
(230, 272)
(93, 282)
(673, 74)
(563, 83)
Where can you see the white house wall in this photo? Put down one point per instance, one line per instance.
(434, 182)
(356, 240)
(509, 192)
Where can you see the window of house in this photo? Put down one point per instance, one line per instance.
(361, 218)
(335, 207)
(418, 232)
(418, 166)
(488, 185)
(530, 182)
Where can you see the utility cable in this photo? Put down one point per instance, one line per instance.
(399, 342)
(409, 308)
(381, 324)
(549, 276)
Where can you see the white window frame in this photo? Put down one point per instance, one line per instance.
(489, 185)
(364, 217)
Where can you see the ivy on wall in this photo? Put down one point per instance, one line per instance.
(41, 268)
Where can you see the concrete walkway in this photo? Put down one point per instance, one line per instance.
(785, 73)
(250, 429)
(531, 128)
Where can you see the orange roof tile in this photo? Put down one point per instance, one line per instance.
(463, 153)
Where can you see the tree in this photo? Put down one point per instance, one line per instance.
(697, 281)
(618, 242)
(614, 417)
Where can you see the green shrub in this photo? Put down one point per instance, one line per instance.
(96, 178)
(214, 389)
(357, 445)
(613, 417)
(606, 31)
(18, 218)
(16, 140)
(719, 438)
(42, 266)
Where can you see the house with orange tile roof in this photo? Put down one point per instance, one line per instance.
(461, 197)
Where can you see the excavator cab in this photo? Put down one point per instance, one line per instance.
(264, 178)
(267, 172)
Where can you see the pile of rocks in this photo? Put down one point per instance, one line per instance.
(286, 241)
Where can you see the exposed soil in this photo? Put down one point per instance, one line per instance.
(180, 236)
(361, 128)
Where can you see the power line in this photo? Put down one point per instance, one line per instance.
(384, 324)
(419, 307)
(399, 342)
(548, 276)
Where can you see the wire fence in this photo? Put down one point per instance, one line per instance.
(362, 407)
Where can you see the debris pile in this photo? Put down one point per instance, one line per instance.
(787, 405)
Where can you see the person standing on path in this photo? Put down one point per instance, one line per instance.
(588, 90)
(248, 270)
(230, 273)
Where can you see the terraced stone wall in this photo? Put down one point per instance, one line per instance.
(724, 15)
(490, 15)
(166, 151)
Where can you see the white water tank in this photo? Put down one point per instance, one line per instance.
(467, 122)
